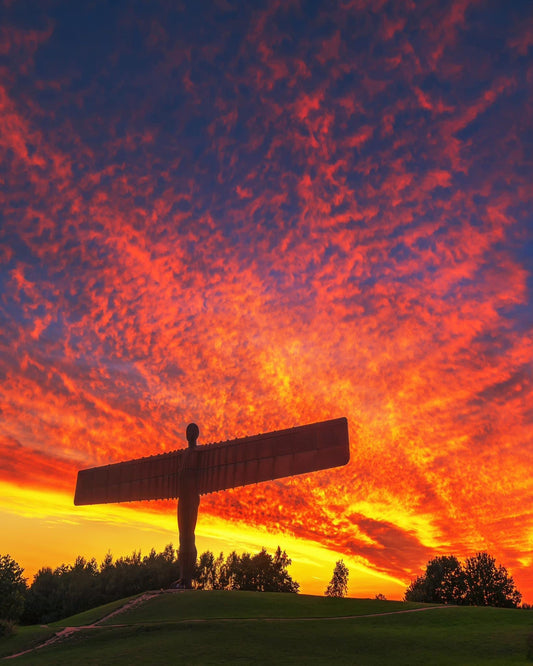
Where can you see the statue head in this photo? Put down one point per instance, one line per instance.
(192, 434)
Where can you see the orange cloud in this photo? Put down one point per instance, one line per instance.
(271, 219)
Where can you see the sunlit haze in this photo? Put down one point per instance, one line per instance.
(260, 215)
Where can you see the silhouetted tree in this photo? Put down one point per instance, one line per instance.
(71, 589)
(479, 582)
(12, 589)
(44, 598)
(160, 569)
(488, 584)
(417, 590)
(80, 586)
(260, 572)
(443, 582)
(283, 582)
(338, 585)
(107, 579)
(242, 572)
(210, 573)
(204, 574)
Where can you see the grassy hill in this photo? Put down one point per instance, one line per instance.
(265, 628)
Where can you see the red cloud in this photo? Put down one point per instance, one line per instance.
(258, 230)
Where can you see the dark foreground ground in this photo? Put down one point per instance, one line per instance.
(263, 628)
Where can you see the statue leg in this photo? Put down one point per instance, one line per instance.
(187, 517)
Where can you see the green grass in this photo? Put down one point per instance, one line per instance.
(192, 605)
(171, 629)
(24, 639)
(93, 615)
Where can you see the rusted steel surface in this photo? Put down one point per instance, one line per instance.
(223, 465)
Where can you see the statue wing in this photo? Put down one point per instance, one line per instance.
(274, 455)
(154, 477)
(231, 464)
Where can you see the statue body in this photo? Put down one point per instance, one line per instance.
(186, 474)
(188, 503)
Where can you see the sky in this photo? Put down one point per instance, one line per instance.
(260, 215)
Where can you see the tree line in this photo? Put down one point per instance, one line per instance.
(479, 581)
(70, 589)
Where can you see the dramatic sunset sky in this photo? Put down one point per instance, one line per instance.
(256, 215)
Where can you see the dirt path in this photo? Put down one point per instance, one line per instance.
(66, 632)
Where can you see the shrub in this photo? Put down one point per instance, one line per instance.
(7, 628)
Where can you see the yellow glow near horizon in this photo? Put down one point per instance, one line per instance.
(45, 529)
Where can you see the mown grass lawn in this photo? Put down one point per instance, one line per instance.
(24, 639)
(190, 604)
(179, 628)
(92, 615)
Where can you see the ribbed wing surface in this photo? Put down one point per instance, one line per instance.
(239, 462)
(274, 455)
(155, 477)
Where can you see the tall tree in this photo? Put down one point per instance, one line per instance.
(443, 582)
(479, 582)
(210, 573)
(338, 585)
(488, 584)
(12, 589)
(44, 601)
(282, 580)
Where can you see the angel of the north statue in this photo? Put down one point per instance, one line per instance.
(188, 473)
